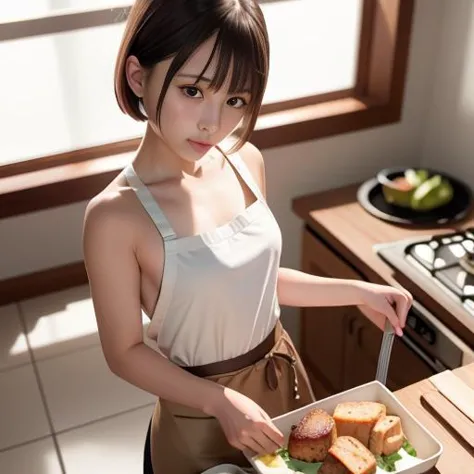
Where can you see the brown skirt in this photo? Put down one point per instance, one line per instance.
(187, 441)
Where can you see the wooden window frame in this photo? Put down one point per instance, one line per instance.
(376, 100)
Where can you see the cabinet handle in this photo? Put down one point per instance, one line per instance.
(352, 320)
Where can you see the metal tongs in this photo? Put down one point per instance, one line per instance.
(385, 351)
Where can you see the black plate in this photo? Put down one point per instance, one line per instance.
(371, 198)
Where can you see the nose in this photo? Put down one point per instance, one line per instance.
(210, 119)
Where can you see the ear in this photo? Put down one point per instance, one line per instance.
(135, 75)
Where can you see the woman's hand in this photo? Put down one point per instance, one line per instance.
(380, 302)
(245, 424)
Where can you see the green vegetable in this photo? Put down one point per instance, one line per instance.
(433, 193)
(387, 463)
(416, 178)
(409, 448)
(300, 466)
(284, 454)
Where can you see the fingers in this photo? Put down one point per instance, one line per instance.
(254, 446)
(403, 301)
(268, 446)
(393, 318)
(273, 434)
(402, 304)
(259, 438)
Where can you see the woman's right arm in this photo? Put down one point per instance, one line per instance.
(114, 279)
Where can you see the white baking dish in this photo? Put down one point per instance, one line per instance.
(427, 446)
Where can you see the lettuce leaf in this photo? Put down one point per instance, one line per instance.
(387, 463)
(409, 448)
(300, 466)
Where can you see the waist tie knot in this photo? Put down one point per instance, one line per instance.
(271, 371)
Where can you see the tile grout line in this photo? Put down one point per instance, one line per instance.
(23, 443)
(105, 418)
(41, 389)
(84, 348)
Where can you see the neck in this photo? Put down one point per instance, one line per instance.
(156, 161)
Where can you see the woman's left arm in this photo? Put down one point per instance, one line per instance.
(377, 302)
(295, 288)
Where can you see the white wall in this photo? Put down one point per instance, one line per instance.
(448, 135)
(51, 238)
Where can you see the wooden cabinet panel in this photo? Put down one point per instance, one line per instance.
(323, 330)
(362, 352)
(320, 388)
(362, 347)
(322, 342)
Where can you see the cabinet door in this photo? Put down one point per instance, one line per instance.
(362, 347)
(323, 330)
(322, 341)
(362, 352)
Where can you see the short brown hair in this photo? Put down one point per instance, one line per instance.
(159, 29)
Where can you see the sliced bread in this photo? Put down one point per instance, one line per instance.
(349, 456)
(357, 419)
(385, 428)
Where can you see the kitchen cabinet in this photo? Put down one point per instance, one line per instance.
(328, 335)
(339, 345)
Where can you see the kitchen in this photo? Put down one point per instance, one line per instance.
(435, 131)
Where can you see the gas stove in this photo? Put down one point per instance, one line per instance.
(439, 272)
(441, 265)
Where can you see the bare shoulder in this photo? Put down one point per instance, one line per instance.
(105, 209)
(109, 214)
(253, 158)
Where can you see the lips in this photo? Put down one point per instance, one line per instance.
(201, 143)
(200, 147)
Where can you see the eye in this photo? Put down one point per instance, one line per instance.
(237, 102)
(191, 92)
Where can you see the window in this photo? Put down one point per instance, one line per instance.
(64, 80)
(65, 98)
(335, 67)
(317, 57)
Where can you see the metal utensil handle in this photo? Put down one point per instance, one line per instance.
(385, 352)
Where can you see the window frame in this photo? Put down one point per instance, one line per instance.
(377, 99)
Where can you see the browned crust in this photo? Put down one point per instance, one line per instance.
(315, 425)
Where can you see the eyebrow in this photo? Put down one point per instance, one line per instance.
(206, 79)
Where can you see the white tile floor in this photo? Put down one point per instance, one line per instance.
(61, 409)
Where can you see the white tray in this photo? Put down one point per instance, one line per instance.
(428, 448)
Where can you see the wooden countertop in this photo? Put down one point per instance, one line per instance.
(457, 454)
(338, 217)
(341, 222)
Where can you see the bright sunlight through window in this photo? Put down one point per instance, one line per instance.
(57, 89)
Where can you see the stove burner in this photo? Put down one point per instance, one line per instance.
(450, 260)
(467, 262)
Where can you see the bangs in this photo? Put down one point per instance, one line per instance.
(241, 53)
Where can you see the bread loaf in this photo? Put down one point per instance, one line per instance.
(357, 419)
(311, 439)
(384, 430)
(349, 456)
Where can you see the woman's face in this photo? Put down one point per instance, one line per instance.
(193, 112)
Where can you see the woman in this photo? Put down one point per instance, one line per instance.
(185, 233)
